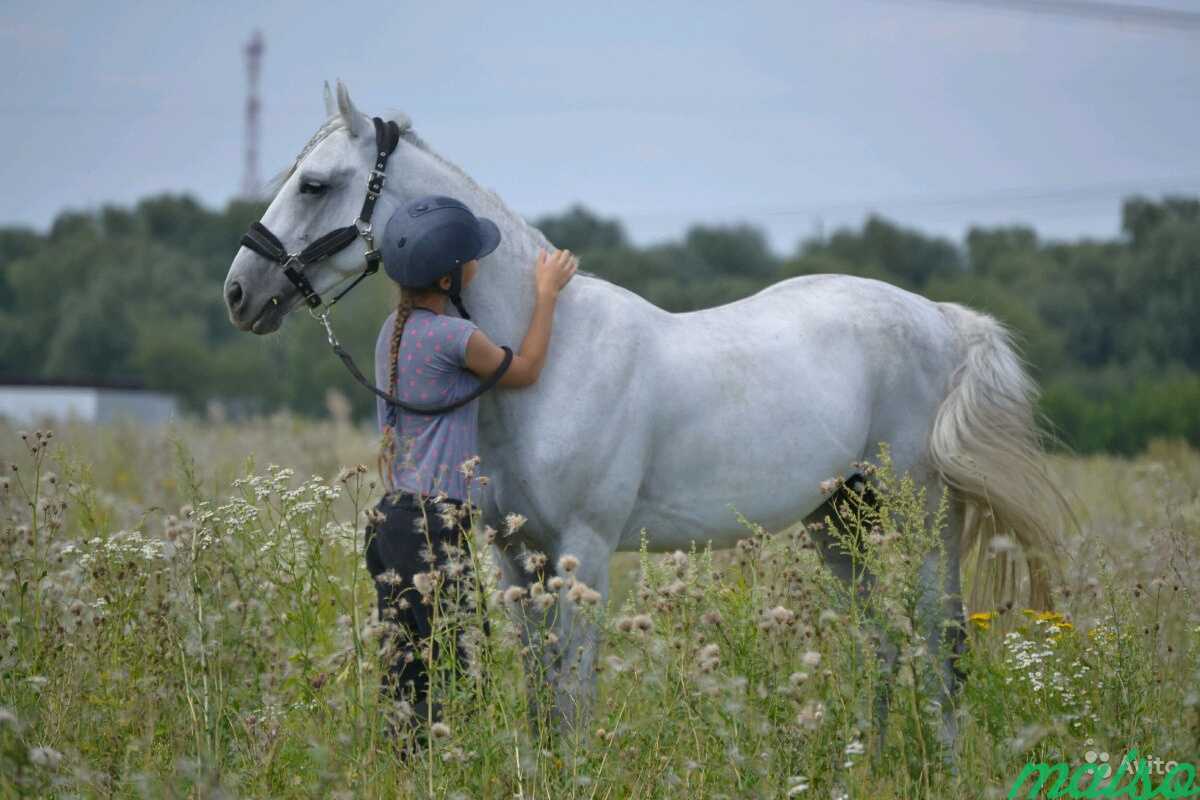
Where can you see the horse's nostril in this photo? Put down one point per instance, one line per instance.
(234, 295)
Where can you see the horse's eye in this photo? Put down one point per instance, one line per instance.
(311, 187)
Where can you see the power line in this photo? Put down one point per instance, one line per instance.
(1001, 197)
(1125, 13)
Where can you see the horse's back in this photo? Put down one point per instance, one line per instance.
(882, 326)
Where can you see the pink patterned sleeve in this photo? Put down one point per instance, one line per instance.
(458, 331)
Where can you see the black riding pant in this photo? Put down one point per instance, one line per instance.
(397, 544)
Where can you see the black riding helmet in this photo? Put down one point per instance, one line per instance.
(434, 236)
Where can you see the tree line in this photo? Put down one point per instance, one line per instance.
(1110, 328)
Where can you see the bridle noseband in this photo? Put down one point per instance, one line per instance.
(260, 239)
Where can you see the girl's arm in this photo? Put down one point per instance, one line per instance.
(484, 356)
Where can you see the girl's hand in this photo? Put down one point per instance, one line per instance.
(553, 271)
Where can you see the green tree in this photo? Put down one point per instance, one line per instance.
(911, 256)
(1162, 290)
(581, 231)
(732, 250)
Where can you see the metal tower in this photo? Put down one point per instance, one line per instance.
(251, 187)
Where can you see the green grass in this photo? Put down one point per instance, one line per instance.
(185, 612)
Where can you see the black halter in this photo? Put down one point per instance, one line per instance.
(260, 239)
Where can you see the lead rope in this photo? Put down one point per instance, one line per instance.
(358, 376)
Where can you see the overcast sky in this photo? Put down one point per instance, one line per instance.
(786, 115)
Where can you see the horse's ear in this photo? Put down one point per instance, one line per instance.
(346, 108)
(331, 106)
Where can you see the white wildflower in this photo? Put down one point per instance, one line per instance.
(45, 756)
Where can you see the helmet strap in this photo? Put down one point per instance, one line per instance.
(455, 292)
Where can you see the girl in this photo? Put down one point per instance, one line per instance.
(429, 358)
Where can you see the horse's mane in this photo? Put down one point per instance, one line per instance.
(495, 206)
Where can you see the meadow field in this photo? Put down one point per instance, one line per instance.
(185, 612)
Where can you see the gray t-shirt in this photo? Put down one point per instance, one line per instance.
(432, 371)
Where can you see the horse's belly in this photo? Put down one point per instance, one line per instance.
(764, 460)
(674, 523)
(753, 416)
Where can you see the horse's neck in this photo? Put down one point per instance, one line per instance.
(500, 298)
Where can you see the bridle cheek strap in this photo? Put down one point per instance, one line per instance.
(260, 239)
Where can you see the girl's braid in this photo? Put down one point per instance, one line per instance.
(387, 450)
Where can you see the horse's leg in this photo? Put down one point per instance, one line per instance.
(940, 611)
(531, 621)
(841, 564)
(560, 640)
(582, 601)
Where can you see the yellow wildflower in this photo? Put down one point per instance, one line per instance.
(982, 619)
(1054, 619)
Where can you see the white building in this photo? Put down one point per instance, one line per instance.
(28, 403)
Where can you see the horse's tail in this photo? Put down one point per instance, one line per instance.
(986, 445)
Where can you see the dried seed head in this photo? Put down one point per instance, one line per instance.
(513, 523)
(45, 757)
(467, 468)
(424, 581)
(448, 514)
(514, 594)
(389, 577)
(675, 587)
(812, 714)
(533, 561)
(580, 592)
(568, 564)
(781, 616)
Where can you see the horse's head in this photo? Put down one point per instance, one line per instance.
(323, 190)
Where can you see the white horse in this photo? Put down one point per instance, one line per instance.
(648, 419)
